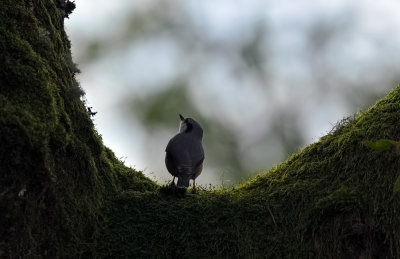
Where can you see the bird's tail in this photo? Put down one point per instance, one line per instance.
(183, 181)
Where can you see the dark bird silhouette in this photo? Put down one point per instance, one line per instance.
(184, 153)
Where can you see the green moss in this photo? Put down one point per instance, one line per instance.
(56, 174)
(64, 194)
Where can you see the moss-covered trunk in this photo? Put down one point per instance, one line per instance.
(62, 193)
(54, 170)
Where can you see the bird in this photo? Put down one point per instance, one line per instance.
(184, 153)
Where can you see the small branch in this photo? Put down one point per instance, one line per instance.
(272, 215)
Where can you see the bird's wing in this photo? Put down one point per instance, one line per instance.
(184, 156)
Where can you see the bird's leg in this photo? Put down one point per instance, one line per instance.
(173, 182)
(194, 187)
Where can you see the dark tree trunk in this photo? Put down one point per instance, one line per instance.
(54, 170)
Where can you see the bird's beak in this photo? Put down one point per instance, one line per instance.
(182, 118)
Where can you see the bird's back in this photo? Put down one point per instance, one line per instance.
(184, 157)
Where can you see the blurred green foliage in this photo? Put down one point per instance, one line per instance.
(249, 56)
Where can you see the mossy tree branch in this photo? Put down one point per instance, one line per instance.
(63, 193)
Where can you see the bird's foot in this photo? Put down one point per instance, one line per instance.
(172, 185)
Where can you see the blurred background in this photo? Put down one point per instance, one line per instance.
(264, 78)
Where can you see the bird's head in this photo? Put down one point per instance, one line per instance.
(189, 125)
